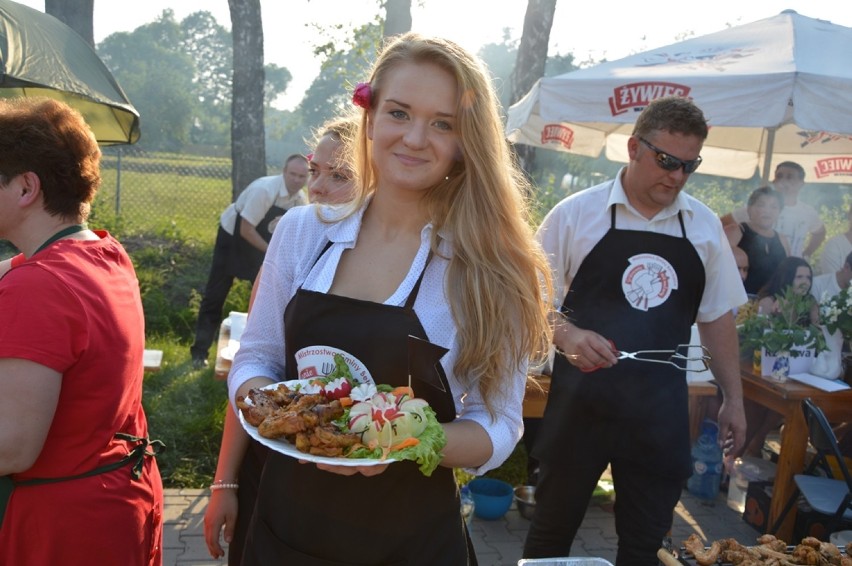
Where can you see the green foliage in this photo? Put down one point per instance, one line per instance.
(781, 331)
(179, 77)
(186, 410)
(340, 71)
(720, 194)
(157, 76)
(513, 471)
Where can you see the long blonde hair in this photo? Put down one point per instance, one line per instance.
(498, 277)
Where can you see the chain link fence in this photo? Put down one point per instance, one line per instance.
(162, 193)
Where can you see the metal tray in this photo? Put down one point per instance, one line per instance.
(579, 561)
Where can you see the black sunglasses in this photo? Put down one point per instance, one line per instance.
(670, 162)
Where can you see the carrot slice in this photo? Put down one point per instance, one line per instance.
(403, 390)
(345, 401)
(410, 441)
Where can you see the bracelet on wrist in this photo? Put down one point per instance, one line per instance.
(221, 484)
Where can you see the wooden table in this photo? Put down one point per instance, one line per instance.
(538, 387)
(786, 399)
(701, 395)
(535, 397)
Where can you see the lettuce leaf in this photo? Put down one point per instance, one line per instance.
(427, 453)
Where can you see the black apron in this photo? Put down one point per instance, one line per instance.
(642, 291)
(310, 517)
(245, 259)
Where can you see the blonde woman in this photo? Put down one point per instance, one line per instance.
(436, 244)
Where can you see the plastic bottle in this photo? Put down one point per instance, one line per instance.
(467, 504)
(706, 463)
(223, 365)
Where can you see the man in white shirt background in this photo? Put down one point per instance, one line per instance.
(245, 228)
(827, 285)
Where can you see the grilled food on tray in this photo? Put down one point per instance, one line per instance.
(769, 551)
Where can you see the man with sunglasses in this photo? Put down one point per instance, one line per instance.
(636, 262)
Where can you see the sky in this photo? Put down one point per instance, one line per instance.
(590, 29)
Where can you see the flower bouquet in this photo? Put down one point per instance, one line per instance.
(782, 334)
(836, 313)
(836, 316)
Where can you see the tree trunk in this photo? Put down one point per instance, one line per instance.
(397, 17)
(76, 14)
(532, 56)
(248, 143)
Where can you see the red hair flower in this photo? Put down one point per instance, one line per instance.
(363, 95)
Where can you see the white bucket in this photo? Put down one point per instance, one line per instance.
(238, 324)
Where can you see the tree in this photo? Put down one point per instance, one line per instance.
(277, 79)
(331, 90)
(76, 14)
(532, 55)
(500, 58)
(248, 144)
(210, 47)
(157, 77)
(397, 17)
(179, 77)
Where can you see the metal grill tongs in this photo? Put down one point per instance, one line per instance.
(680, 357)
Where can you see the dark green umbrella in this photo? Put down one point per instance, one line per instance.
(41, 56)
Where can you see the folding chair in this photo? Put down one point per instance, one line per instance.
(825, 494)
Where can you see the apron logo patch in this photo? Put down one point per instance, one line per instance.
(648, 281)
(318, 361)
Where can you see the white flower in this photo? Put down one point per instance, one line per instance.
(363, 392)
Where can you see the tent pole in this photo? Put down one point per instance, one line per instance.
(767, 158)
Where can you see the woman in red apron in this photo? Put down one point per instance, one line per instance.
(73, 434)
(435, 246)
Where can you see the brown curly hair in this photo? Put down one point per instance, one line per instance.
(53, 141)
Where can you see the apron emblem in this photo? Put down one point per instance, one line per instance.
(318, 361)
(648, 281)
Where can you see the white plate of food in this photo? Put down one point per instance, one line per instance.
(287, 448)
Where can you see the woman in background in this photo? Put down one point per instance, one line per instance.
(240, 458)
(764, 246)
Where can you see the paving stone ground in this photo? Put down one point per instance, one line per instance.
(497, 543)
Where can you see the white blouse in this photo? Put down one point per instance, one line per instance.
(290, 264)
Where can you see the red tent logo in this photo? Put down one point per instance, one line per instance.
(839, 165)
(557, 133)
(636, 96)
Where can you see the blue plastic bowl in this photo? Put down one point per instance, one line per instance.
(491, 497)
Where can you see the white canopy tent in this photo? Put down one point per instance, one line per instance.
(779, 89)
